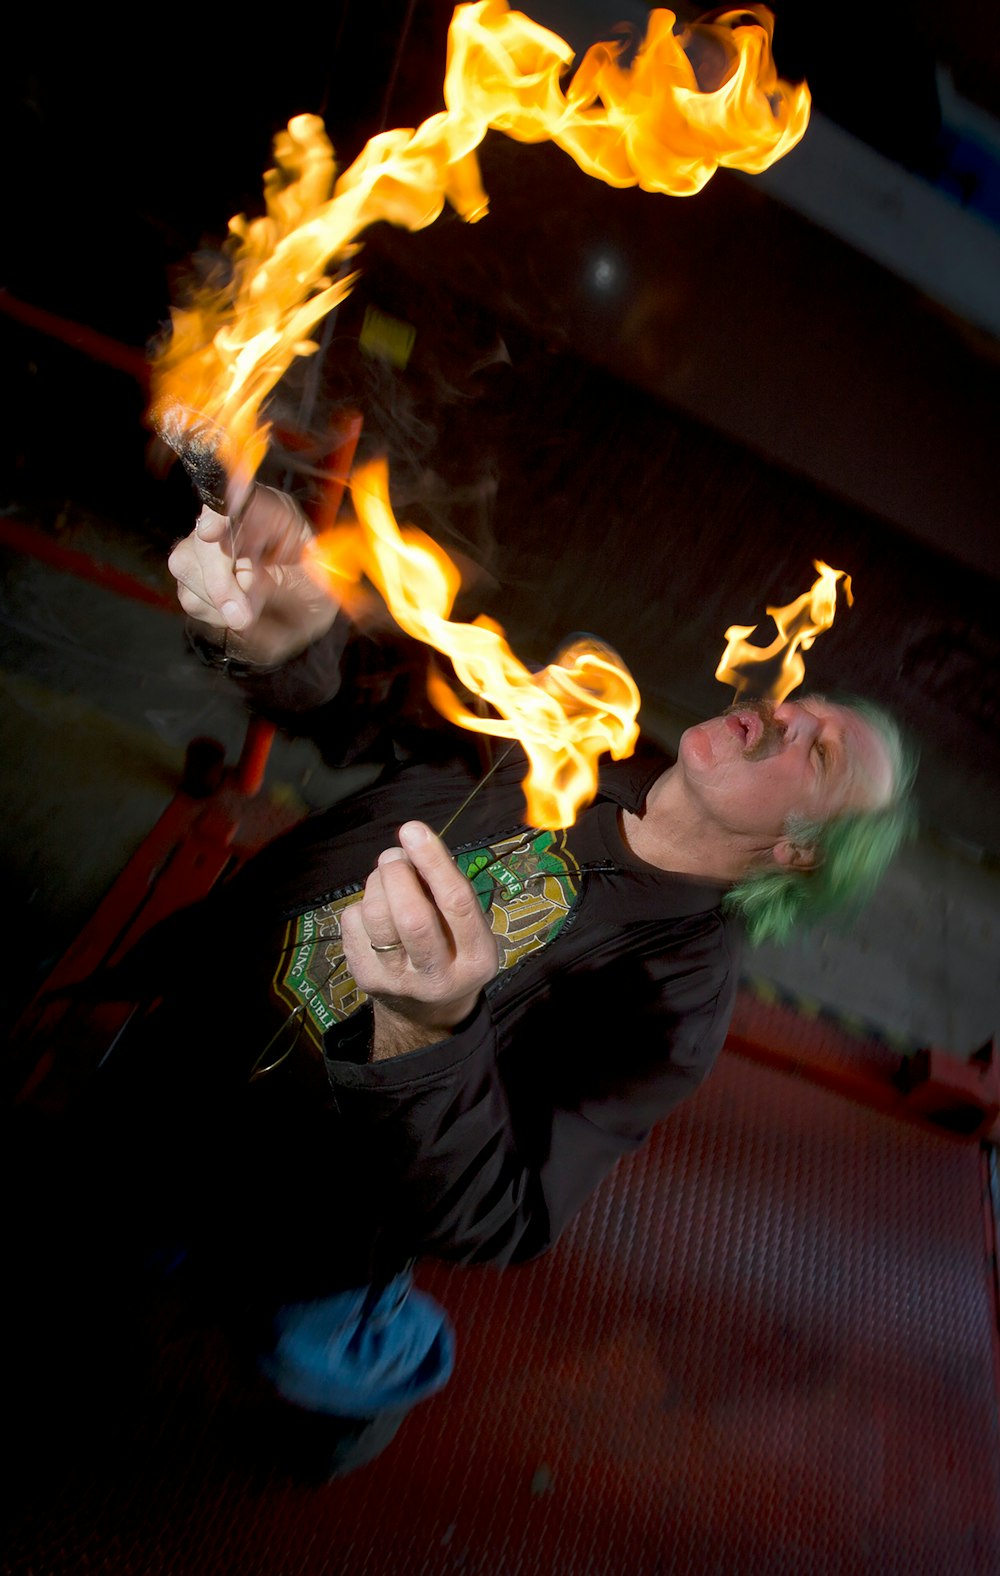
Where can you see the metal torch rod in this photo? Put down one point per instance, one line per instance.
(469, 797)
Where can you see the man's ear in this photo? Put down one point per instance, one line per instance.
(796, 856)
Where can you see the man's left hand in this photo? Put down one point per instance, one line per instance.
(418, 943)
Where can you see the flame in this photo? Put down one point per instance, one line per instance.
(564, 716)
(649, 123)
(657, 122)
(798, 624)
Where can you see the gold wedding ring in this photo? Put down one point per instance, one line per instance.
(390, 946)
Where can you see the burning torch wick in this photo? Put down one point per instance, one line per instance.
(468, 800)
(198, 443)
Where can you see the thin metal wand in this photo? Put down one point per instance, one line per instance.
(484, 779)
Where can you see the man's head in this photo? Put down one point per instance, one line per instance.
(816, 791)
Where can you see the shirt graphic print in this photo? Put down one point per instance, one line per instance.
(526, 883)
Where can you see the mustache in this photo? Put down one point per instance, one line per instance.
(772, 733)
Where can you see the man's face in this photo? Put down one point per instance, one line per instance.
(757, 764)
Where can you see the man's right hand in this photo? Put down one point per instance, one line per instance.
(418, 944)
(246, 581)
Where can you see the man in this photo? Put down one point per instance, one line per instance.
(374, 1044)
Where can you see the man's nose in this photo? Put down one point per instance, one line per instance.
(797, 722)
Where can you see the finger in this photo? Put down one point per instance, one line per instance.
(240, 489)
(222, 585)
(436, 911)
(210, 586)
(376, 914)
(212, 526)
(414, 915)
(182, 562)
(374, 972)
(272, 528)
(450, 890)
(197, 608)
(183, 565)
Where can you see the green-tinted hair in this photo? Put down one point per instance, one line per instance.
(853, 852)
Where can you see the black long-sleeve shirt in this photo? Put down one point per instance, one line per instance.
(482, 1147)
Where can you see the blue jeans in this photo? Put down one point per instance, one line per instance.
(361, 1352)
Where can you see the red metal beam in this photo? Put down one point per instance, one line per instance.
(92, 343)
(49, 550)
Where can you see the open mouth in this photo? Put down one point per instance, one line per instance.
(747, 727)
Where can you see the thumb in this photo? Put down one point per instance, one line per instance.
(212, 526)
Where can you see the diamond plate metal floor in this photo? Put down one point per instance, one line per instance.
(766, 1347)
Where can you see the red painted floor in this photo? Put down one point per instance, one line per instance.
(766, 1347)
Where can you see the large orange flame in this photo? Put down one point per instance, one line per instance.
(745, 666)
(650, 123)
(657, 123)
(565, 716)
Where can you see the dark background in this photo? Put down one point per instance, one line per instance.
(785, 1304)
(652, 462)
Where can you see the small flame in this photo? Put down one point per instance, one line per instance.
(798, 624)
(564, 716)
(650, 124)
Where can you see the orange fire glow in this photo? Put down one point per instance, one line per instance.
(565, 716)
(688, 102)
(651, 123)
(744, 665)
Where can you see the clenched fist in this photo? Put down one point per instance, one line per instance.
(246, 581)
